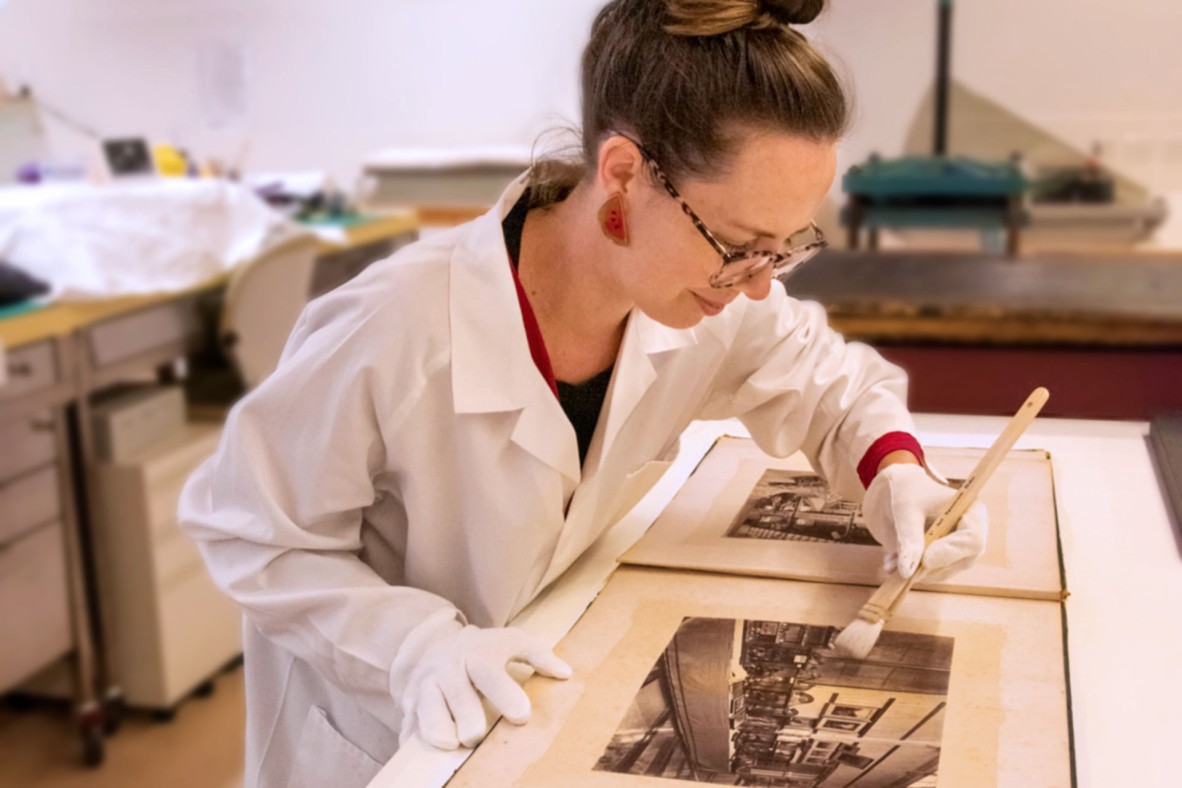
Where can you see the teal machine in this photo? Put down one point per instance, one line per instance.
(937, 191)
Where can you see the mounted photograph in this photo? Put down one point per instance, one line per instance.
(683, 677)
(744, 512)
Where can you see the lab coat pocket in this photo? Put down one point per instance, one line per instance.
(637, 484)
(325, 757)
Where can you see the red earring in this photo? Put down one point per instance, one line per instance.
(613, 219)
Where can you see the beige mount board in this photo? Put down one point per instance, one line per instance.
(684, 676)
(743, 512)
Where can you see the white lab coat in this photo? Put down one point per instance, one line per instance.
(407, 461)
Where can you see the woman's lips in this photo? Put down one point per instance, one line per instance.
(709, 308)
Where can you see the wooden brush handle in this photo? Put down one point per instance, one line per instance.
(967, 494)
(886, 598)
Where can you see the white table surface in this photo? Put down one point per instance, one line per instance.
(1124, 575)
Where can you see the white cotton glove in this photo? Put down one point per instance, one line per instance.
(900, 502)
(461, 663)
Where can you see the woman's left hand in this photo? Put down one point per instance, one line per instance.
(899, 503)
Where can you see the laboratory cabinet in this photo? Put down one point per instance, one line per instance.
(44, 620)
(34, 603)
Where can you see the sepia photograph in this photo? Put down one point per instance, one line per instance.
(744, 512)
(682, 677)
(799, 507)
(770, 703)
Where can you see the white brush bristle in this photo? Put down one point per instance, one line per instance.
(858, 638)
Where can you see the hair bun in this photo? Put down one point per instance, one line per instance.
(718, 17)
(793, 12)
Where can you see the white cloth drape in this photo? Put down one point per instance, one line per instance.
(134, 237)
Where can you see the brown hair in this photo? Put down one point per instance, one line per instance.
(682, 75)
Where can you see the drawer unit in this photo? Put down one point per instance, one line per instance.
(128, 419)
(173, 628)
(30, 369)
(188, 630)
(159, 508)
(200, 631)
(28, 501)
(126, 336)
(173, 555)
(34, 603)
(25, 444)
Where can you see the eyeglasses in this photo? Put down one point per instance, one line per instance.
(738, 265)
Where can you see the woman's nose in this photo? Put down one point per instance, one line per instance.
(758, 286)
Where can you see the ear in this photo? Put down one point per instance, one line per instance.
(619, 165)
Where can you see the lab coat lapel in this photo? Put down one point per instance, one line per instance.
(646, 347)
(645, 344)
(492, 369)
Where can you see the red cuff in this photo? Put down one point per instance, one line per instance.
(892, 441)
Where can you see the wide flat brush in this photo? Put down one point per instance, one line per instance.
(862, 633)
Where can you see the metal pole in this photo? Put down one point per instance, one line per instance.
(943, 53)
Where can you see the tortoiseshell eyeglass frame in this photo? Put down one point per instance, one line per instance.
(737, 266)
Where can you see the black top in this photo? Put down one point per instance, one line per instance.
(513, 225)
(582, 402)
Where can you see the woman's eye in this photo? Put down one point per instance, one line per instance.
(735, 248)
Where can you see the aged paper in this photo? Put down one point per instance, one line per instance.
(743, 512)
(731, 680)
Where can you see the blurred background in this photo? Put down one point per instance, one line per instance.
(179, 177)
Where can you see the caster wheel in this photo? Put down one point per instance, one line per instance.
(93, 746)
(112, 714)
(164, 715)
(203, 690)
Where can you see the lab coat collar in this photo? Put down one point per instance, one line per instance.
(492, 369)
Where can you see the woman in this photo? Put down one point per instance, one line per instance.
(407, 479)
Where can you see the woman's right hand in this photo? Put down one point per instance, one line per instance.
(442, 697)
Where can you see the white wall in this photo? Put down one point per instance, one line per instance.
(330, 81)
(327, 81)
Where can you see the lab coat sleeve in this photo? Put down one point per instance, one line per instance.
(796, 384)
(277, 511)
